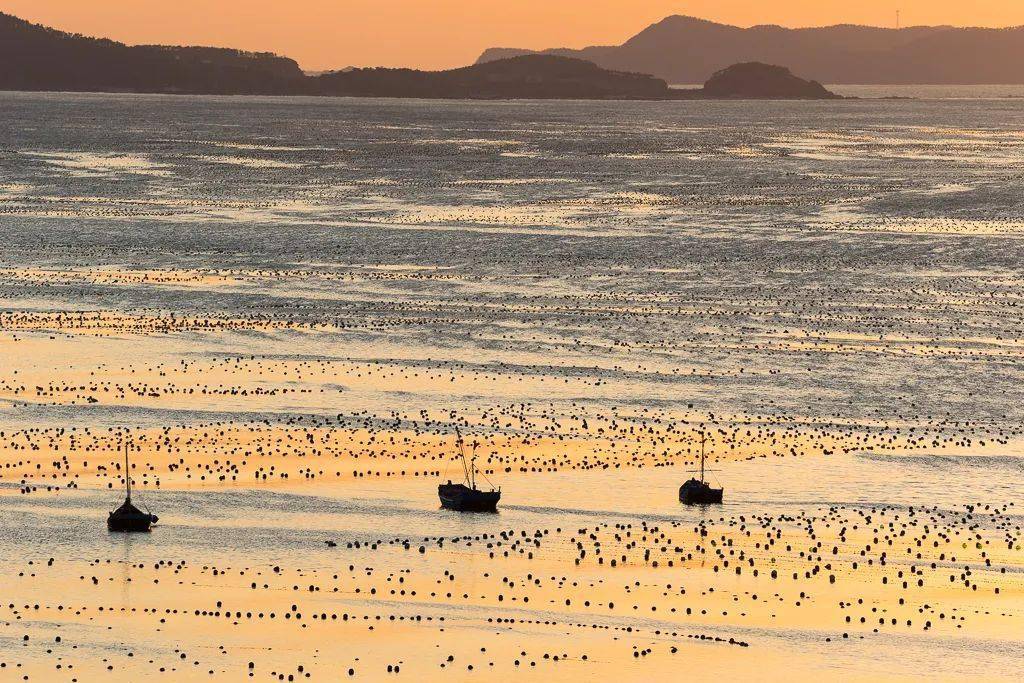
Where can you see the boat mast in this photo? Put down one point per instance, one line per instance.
(702, 439)
(462, 454)
(127, 474)
(472, 469)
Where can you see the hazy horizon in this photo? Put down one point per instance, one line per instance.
(320, 34)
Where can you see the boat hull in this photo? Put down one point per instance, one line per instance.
(129, 518)
(464, 499)
(141, 522)
(695, 492)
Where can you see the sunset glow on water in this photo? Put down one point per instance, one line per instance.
(286, 307)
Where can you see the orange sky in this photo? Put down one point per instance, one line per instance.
(323, 34)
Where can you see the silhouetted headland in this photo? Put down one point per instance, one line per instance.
(40, 58)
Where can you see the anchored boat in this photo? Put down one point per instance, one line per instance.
(466, 497)
(698, 491)
(128, 517)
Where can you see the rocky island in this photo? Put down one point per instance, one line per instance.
(754, 80)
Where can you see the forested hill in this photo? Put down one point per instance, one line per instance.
(39, 58)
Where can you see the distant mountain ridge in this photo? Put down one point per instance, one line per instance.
(683, 49)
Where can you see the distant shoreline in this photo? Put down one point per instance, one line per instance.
(427, 98)
(529, 77)
(849, 92)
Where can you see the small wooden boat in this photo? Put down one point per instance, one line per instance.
(466, 497)
(128, 517)
(697, 491)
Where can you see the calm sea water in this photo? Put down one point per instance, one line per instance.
(921, 92)
(856, 258)
(852, 261)
(832, 262)
(932, 92)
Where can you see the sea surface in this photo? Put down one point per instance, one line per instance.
(830, 266)
(856, 258)
(918, 92)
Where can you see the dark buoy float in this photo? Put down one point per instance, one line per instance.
(466, 497)
(128, 517)
(698, 491)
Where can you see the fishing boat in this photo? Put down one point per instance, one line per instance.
(128, 517)
(697, 491)
(466, 497)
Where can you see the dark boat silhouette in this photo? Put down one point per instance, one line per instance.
(128, 517)
(466, 497)
(697, 491)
